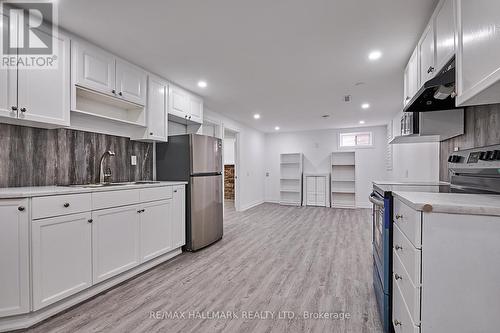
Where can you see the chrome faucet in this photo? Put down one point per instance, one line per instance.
(105, 175)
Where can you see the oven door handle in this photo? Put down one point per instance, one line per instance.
(374, 200)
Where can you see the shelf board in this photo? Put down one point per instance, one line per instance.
(345, 191)
(290, 190)
(290, 163)
(349, 206)
(289, 178)
(343, 180)
(91, 114)
(108, 99)
(344, 164)
(290, 203)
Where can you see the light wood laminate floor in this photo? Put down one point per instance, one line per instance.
(272, 258)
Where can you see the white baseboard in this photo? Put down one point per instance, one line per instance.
(252, 205)
(272, 201)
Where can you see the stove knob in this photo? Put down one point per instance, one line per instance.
(490, 155)
(450, 159)
(483, 155)
(457, 158)
(496, 155)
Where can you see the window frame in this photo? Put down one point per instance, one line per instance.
(356, 145)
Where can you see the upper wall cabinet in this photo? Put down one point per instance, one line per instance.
(411, 77)
(100, 71)
(444, 27)
(426, 55)
(38, 96)
(184, 107)
(478, 50)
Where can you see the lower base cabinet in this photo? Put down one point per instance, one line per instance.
(62, 257)
(179, 217)
(156, 229)
(115, 241)
(14, 257)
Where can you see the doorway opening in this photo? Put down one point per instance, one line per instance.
(230, 170)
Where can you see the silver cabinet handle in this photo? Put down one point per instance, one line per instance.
(430, 70)
(399, 216)
(14, 108)
(66, 205)
(397, 322)
(21, 208)
(398, 247)
(23, 110)
(175, 191)
(90, 220)
(398, 277)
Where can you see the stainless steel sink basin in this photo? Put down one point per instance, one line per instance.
(140, 182)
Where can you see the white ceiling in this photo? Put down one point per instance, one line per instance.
(289, 60)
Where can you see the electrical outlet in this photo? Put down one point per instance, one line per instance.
(133, 160)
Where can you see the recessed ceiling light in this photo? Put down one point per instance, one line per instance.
(365, 106)
(361, 122)
(256, 116)
(276, 128)
(375, 55)
(202, 84)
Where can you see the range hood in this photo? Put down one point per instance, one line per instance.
(436, 94)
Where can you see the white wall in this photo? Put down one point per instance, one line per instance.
(414, 161)
(229, 150)
(251, 160)
(317, 147)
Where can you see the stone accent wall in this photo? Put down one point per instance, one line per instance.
(37, 157)
(229, 182)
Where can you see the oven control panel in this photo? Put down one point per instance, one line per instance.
(476, 158)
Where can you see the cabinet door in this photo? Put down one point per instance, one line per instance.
(426, 51)
(179, 102)
(14, 257)
(406, 85)
(44, 94)
(321, 191)
(156, 229)
(445, 33)
(413, 77)
(8, 88)
(311, 191)
(478, 63)
(131, 82)
(157, 109)
(115, 241)
(196, 109)
(62, 257)
(93, 68)
(179, 217)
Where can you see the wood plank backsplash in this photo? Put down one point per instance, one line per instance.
(37, 157)
(482, 128)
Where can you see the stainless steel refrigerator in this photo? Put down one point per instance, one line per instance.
(196, 159)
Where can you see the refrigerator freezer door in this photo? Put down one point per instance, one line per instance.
(206, 211)
(206, 154)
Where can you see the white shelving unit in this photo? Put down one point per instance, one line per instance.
(291, 165)
(343, 179)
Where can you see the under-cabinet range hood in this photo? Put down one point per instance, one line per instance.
(436, 94)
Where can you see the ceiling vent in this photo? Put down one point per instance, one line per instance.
(347, 98)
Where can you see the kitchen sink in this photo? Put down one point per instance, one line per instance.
(140, 182)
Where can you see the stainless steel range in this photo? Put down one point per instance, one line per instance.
(470, 171)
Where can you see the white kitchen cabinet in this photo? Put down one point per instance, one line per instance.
(444, 25)
(426, 55)
(115, 241)
(93, 68)
(411, 77)
(316, 190)
(184, 107)
(156, 229)
(14, 257)
(478, 47)
(157, 109)
(62, 257)
(179, 217)
(131, 82)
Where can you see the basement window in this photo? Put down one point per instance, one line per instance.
(356, 140)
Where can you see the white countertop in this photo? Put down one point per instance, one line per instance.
(408, 182)
(453, 203)
(38, 191)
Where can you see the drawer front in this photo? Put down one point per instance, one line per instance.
(109, 199)
(58, 205)
(410, 256)
(410, 292)
(409, 222)
(400, 316)
(156, 193)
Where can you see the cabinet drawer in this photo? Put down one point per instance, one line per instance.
(156, 193)
(409, 222)
(60, 205)
(410, 256)
(109, 199)
(410, 292)
(400, 316)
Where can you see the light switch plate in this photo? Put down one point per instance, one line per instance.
(133, 160)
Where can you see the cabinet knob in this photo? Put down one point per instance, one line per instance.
(21, 208)
(14, 108)
(23, 109)
(66, 205)
(399, 216)
(189, 117)
(398, 277)
(430, 70)
(397, 322)
(90, 220)
(175, 191)
(398, 247)
(150, 133)
(113, 91)
(120, 93)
